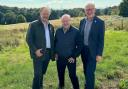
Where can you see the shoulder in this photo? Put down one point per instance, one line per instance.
(82, 20)
(31, 24)
(74, 28)
(99, 20)
(34, 22)
(58, 29)
(51, 25)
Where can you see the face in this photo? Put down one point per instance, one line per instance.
(66, 22)
(90, 11)
(45, 14)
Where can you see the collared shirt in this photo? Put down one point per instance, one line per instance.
(47, 35)
(87, 31)
(65, 30)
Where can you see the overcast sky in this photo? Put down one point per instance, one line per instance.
(58, 4)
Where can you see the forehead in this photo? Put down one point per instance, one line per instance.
(90, 6)
(46, 10)
(66, 18)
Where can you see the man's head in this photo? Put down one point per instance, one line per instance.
(66, 21)
(45, 13)
(90, 10)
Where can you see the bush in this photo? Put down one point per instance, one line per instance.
(20, 19)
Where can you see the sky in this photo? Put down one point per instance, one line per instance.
(58, 4)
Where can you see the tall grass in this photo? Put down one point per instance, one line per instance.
(16, 69)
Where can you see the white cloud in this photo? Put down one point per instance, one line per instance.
(58, 4)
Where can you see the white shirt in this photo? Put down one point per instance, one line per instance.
(47, 35)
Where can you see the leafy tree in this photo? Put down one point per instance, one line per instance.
(20, 19)
(123, 7)
(2, 18)
(10, 18)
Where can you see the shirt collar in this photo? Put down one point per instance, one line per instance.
(66, 30)
(89, 20)
(45, 22)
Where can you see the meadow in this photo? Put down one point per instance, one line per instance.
(16, 69)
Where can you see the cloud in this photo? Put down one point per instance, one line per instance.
(58, 4)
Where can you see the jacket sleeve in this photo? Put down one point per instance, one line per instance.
(80, 26)
(53, 49)
(79, 45)
(30, 39)
(101, 39)
(55, 40)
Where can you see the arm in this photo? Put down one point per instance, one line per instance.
(55, 40)
(53, 49)
(80, 26)
(55, 52)
(29, 39)
(79, 46)
(101, 39)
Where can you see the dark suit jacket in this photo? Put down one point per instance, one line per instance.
(36, 37)
(96, 36)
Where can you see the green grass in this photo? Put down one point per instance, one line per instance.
(16, 69)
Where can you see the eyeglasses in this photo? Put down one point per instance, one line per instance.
(91, 9)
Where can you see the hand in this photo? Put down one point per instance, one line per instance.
(56, 57)
(98, 58)
(38, 53)
(71, 60)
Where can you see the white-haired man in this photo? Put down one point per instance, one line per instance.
(68, 45)
(92, 30)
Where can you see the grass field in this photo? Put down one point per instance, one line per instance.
(16, 69)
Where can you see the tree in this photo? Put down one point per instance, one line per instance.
(115, 10)
(10, 18)
(20, 19)
(2, 18)
(81, 14)
(123, 8)
(98, 12)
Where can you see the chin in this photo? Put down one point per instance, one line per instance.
(90, 16)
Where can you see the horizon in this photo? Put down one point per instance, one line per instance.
(58, 4)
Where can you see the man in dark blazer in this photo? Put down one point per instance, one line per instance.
(40, 39)
(92, 30)
(68, 45)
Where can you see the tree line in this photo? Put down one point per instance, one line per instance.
(12, 15)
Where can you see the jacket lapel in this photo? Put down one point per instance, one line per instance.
(93, 26)
(50, 30)
(83, 26)
(50, 33)
(41, 25)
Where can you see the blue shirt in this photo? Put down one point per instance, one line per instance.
(87, 31)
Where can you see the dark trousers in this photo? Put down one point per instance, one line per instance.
(89, 66)
(61, 65)
(40, 67)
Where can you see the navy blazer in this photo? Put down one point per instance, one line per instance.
(96, 36)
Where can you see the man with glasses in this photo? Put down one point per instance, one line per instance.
(92, 30)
